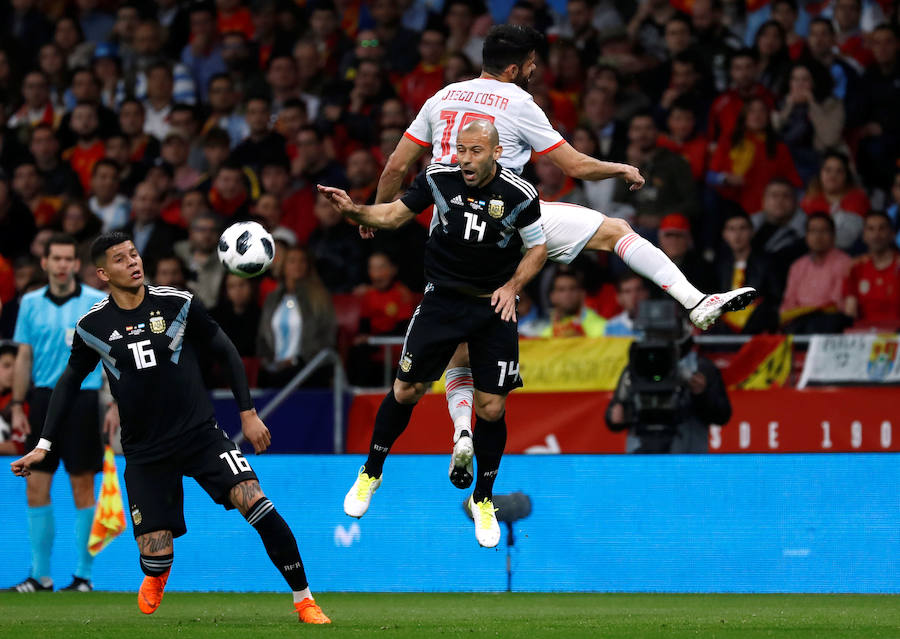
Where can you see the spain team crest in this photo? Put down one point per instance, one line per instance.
(882, 358)
(495, 209)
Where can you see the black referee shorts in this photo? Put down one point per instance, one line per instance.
(155, 491)
(78, 444)
(446, 319)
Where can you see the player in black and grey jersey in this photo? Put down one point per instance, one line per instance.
(146, 337)
(475, 268)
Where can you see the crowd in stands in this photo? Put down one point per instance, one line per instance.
(767, 131)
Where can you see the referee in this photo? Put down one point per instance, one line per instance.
(44, 329)
(484, 216)
(147, 338)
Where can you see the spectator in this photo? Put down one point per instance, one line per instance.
(631, 290)
(85, 87)
(106, 202)
(160, 100)
(292, 117)
(682, 138)
(68, 36)
(362, 174)
(96, 25)
(238, 314)
(822, 47)
(153, 238)
(336, 248)
(11, 150)
(27, 26)
(12, 442)
(599, 116)
(687, 87)
(232, 16)
(738, 265)
(130, 173)
(880, 143)
(569, 317)
(386, 308)
(598, 193)
(745, 86)
(398, 41)
(203, 55)
(851, 42)
(16, 223)
(228, 196)
(779, 228)
(675, 241)
(169, 270)
(749, 158)
(198, 254)
(77, 221)
(89, 148)
(53, 66)
(894, 205)
(175, 152)
(459, 18)
(834, 191)
(428, 77)
(313, 164)
(132, 122)
(774, 59)
(297, 322)
(872, 289)
(785, 12)
(222, 106)
(281, 76)
(810, 119)
(556, 186)
(648, 24)
(184, 122)
(28, 186)
(814, 295)
(716, 43)
(107, 67)
(580, 29)
(262, 143)
(58, 177)
(193, 205)
(311, 78)
(670, 187)
(37, 107)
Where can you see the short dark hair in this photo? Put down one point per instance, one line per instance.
(294, 103)
(258, 97)
(882, 215)
(104, 242)
(746, 52)
(315, 131)
(185, 108)
(508, 44)
(824, 21)
(567, 272)
(105, 162)
(60, 239)
(791, 3)
(627, 276)
(738, 213)
(782, 181)
(170, 256)
(217, 137)
(821, 215)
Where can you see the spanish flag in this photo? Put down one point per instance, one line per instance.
(109, 517)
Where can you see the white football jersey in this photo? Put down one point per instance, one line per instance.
(521, 123)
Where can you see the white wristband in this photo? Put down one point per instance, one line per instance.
(43, 444)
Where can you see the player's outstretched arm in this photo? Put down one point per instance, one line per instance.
(578, 165)
(392, 215)
(251, 425)
(61, 400)
(504, 298)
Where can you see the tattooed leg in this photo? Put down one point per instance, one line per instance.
(156, 543)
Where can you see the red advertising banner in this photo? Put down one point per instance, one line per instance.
(766, 421)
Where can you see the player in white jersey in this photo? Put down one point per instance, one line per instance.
(500, 97)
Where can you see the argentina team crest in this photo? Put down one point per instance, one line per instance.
(157, 322)
(495, 209)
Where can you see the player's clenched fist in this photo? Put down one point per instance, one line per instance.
(22, 466)
(255, 431)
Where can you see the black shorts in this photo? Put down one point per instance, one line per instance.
(78, 443)
(155, 492)
(444, 320)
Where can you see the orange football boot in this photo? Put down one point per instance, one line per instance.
(310, 612)
(151, 593)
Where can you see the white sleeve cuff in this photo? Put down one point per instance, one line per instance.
(533, 235)
(44, 444)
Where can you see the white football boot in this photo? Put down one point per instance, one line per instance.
(487, 529)
(357, 500)
(712, 306)
(461, 469)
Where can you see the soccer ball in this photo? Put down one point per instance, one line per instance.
(246, 249)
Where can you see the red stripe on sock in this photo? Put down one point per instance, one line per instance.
(627, 241)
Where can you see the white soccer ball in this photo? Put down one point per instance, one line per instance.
(246, 249)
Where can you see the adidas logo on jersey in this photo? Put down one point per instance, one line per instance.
(457, 200)
(114, 335)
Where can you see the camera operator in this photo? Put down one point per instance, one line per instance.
(667, 396)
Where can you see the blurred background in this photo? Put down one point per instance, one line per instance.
(768, 135)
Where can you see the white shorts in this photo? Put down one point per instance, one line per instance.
(568, 228)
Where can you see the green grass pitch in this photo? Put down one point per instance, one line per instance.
(532, 616)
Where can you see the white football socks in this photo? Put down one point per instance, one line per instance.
(460, 399)
(645, 259)
(300, 595)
